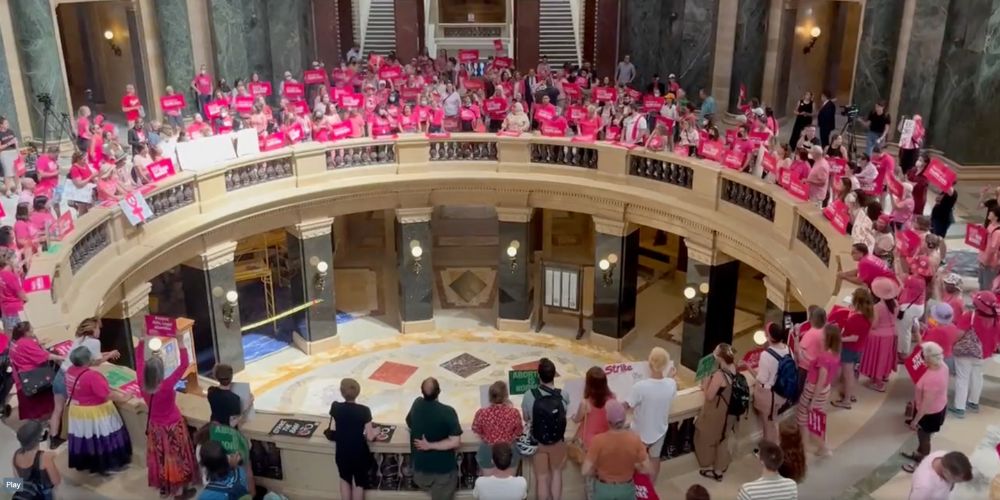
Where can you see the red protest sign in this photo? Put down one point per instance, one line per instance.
(633, 93)
(710, 150)
(784, 177)
(497, 44)
(652, 103)
(438, 135)
(503, 62)
(495, 104)
(410, 93)
(314, 76)
(798, 190)
(975, 236)
(837, 166)
(588, 138)
(161, 169)
(468, 55)
(752, 357)
(681, 150)
(244, 103)
(572, 90)
(730, 136)
(732, 160)
(907, 242)
(294, 90)
(63, 226)
(40, 283)
(915, 365)
(758, 138)
(576, 113)
(553, 129)
(172, 102)
(895, 187)
(838, 215)
(295, 134)
(817, 422)
(351, 100)
(939, 174)
(473, 84)
(341, 131)
(299, 107)
(667, 123)
(605, 94)
(160, 326)
(544, 114)
(272, 142)
(390, 72)
(769, 161)
(214, 108)
(260, 88)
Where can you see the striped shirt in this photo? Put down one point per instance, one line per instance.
(769, 488)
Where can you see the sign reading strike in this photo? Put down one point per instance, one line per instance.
(161, 169)
(160, 326)
(135, 208)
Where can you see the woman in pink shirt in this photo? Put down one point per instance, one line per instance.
(902, 209)
(982, 324)
(48, 173)
(912, 299)
(82, 176)
(856, 324)
(83, 127)
(12, 296)
(98, 440)
(108, 189)
(41, 217)
(989, 257)
(590, 415)
(27, 354)
(591, 125)
(930, 400)
(809, 341)
(878, 360)
(170, 463)
(822, 372)
(25, 233)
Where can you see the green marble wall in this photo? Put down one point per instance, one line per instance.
(6, 93)
(39, 54)
(229, 38)
(175, 43)
(290, 35)
(256, 21)
(242, 31)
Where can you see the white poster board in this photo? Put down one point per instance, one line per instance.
(906, 133)
(561, 288)
(622, 376)
(135, 208)
(574, 391)
(206, 152)
(247, 142)
(242, 389)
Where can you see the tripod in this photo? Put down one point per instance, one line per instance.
(852, 144)
(63, 126)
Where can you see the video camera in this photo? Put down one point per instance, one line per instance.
(851, 111)
(45, 99)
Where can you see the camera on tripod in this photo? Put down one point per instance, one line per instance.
(45, 99)
(850, 110)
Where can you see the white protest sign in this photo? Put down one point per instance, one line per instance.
(135, 208)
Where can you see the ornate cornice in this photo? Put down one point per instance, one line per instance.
(312, 229)
(414, 215)
(213, 257)
(515, 214)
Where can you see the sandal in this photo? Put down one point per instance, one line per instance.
(909, 468)
(911, 456)
(709, 473)
(875, 387)
(841, 404)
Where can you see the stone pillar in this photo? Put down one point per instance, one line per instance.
(326, 33)
(899, 69)
(724, 50)
(6, 88)
(290, 36)
(923, 57)
(310, 250)
(526, 28)
(616, 267)
(414, 243)
(514, 269)
(41, 65)
(750, 50)
(409, 29)
(175, 47)
(781, 307)
(876, 53)
(710, 301)
(772, 63)
(207, 280)
(125, 323)
(606, 26)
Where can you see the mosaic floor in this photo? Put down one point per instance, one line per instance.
(390, 371)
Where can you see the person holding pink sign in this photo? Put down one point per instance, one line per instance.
(856, 324)
(930, 402)
(822, 372)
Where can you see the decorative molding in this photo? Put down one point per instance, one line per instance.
(414, 215)
(777, 290)
(515, 214)
(312, 229)
(213, 257)
(137, 300)
(612, 227)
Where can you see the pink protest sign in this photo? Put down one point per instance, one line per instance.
(160, 326)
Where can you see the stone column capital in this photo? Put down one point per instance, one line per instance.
(613, 227)
(137, 300)
(515, 214)
(213, 257)
(312, 228)
(777, 290)
(414, 215)
(705, 252)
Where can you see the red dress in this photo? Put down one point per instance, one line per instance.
(26, 355)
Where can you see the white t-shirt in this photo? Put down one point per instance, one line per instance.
(651, 400)
(927, 484)
(90, 343)
(767, 368)
(496, 488)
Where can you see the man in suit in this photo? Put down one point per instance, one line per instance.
(827, 117)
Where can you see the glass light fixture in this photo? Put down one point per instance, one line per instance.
(109, 35)
(703, 288)
(690, 292)
(759, 337)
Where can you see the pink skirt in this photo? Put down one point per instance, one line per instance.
(878, 359)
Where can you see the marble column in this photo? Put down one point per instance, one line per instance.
(606, 27)
(290, 35)
(409, 29)
(207, 279)
(647, 26)
(326, 32)
(750, 50)
(526, 28)
(923, 57)
(724, 51)
(710, 312)
(7, 90)
(514, 303)
(310, 251)
(40, 61)
(616, 273)
(175, 44)
(415, 243)
(228, 38)
(899, 69)
(124, 323)
(771, 78)
(257, 36)
(697, 42)
(876, 52)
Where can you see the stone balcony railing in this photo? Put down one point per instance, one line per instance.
(736, 213)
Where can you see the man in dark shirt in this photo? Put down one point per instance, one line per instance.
(656, 84)
(878, 126)
(436, 436)
(224, 403)
(827, 117)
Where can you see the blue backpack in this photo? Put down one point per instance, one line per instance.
(786, 383)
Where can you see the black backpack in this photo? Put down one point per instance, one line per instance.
(31, 486)
(548, 416)
(739, 397)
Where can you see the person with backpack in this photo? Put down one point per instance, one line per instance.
(775, 380)
(822, 373)
(36, 468)
(544, 409)
(650, 402)
(225, 481)
(726, 400)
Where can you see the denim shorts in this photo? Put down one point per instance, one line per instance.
(59, 384)
(850, 356)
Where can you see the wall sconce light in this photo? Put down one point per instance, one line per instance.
(607, 267)
(694, 308)
(416, 252)
(814, 34)
(229, 307)
(512, 254)
(319, 280)
(110, 37)
(759, 337)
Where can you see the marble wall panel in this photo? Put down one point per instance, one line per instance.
(175, 42)
(670, 36)
(257, 17)
(697, 44)
(749, 50)
(877, 52)
(416, 282)
(228, 38)
(6, 92)
(923, 58)
(290, 32)
(40, 61)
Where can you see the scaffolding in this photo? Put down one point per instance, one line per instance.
(263, 257)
